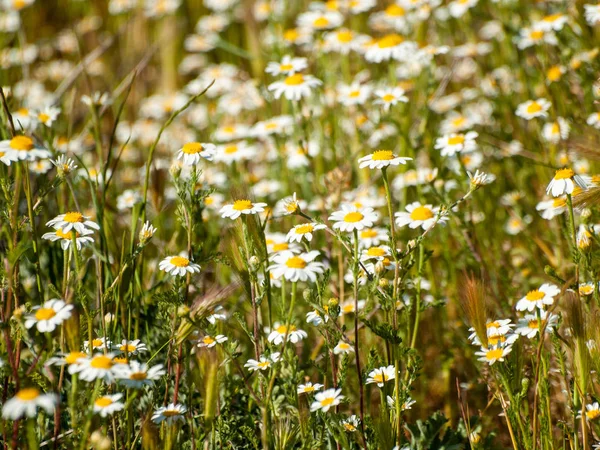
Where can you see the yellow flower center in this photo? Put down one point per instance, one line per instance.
(345, 36)
(533, 108)
(376, 251)
(395, 11)
(458, 121)
(285, 67)
(295, 262)
(263, 364)
(101, 362)
(62, 235)
(191, 148)
(103, 402)
(552, 17)
(128, 348)
(343, 346)
(281, 246)
(294, 80)
(242, 205)
(534, 324)
(282, 329)
(388, 97)
(231, 149)
(563, 174)
(97, 343)
(19, 4)
(21, 143)
(492, 324)
(208, 340)
(592, 414)
(421, 213)
(534, 296)
(494, 354)
(138, 376)
(456, 140)
(45, 314)
(536, 35)
(353, 217)
(382, 155)
(327, 401)
(291, 35)
(43, 117)
(309, 388)
(72, 357)
(559, 202)
(554, 73)
(170, 413)
(28, 394)
(306, 228)
(321, 22)
(73, 217)
(391, 40)
(368, 234)
(271, 126)
(179, 261)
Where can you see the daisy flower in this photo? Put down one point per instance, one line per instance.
(592, 14)
(327, 399)
(134, 347)
(370, 237)
(239, 207)
(294, 87)
(48, 115)
(535, 35)
(592, 412)
(539, 298)
(320, 20)
(342, 347)
(551, 208)
(72, 221)
(316, 318)
(295, 268)
(209, 341)
(533, 108)
(354, 94)
(178, 265)
(456, 142)
(381, 375)
(389, 97)
(8, 157)
(26, 402)
(348, 307)
(381, 159)
(108, 404)
(564, 182)
(100, 366)
(192, 152)
(418, 215)
(555, 131)
(264, 362)
(234, 152)
(351, 423)
(137, 375)
(309, 388)
(458, 8)
(294, 335)
(552, 22)
(530, 325)
(491, 355)
(47, 317)
(389, 46)
(586, 289)
(304, 231)
(23, 148)
(583, 238)
(351, 218)
(378, 253)
(146, 232)
(169, 414)
(594, 120)
(287, 66)
(97, 344)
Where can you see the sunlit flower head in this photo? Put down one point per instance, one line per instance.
(350, 218)
(178, 265)
(48, 316)
(538, 298)
(26, 402)
(326, 400)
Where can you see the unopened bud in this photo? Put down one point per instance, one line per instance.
(254, 262)
(99, 441)
(384, 282)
